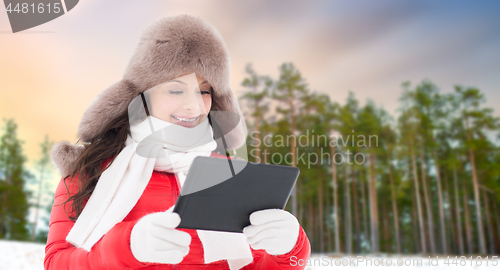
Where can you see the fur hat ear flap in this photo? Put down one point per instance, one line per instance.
(108, 105)
(234, 134)
(227, 114)
(63, 156)
(237, 136)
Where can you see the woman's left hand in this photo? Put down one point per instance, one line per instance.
(274, 230)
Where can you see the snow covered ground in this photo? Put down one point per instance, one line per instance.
(29, 256)
(21, 255)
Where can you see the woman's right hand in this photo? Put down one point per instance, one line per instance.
(155, 239)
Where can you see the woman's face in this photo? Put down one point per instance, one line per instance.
(184, 101)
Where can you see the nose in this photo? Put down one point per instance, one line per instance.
(192, 102)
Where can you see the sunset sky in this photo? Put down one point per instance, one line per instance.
(50, 74)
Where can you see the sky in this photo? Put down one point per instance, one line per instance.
(50, 74)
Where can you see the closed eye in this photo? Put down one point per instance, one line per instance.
(173, 92)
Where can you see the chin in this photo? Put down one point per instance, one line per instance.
(188, 125)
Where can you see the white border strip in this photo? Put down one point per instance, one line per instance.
(64, 6)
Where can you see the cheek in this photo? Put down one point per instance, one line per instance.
(207, 102)
(162, 107)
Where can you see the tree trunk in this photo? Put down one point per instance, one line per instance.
(423, 244)
(310, 223)
(328, 221)
(366, 236)
(414, 222)
(448, 217)
(488, 222)
(257, 118)
(335, 201)
(373, 206)
(394, 207)
(497, 226)
(356, 212)
(457, 209)
(385, 229)
(347, 214)
(441, 204)
(37, 205)
(4, 223)
(294, 161)
(266, 152)
(256, 129)
(301, 213)
(430, 220)
(475, 183)
(468, 233)
(320, 212)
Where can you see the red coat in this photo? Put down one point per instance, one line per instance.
(112, 251)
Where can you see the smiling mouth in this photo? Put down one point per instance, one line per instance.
(187, 120)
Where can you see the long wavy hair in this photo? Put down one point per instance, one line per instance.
(90, 165)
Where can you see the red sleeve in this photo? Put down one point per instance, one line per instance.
(295, 259)
(112, 251)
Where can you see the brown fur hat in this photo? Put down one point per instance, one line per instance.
(169, 48)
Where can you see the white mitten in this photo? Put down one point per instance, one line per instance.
(274, 230)
(155, 239)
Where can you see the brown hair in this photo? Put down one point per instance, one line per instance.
(88, 167)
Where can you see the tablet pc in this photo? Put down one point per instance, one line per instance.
(219, 194)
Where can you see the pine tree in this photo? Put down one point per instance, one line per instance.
(44, 169)
(476, 120)
(290, 89)
(408, 125)
(259, 90)
(13, 196)
(370, 124)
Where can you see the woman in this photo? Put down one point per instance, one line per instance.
(112, 209)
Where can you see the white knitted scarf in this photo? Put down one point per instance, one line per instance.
(161, 146)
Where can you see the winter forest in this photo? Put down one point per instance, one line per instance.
(425, 180)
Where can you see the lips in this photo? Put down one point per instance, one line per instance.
(185, 119)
